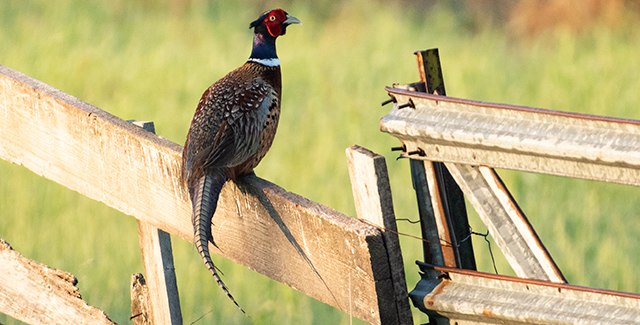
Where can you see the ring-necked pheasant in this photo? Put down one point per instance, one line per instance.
(233, 127)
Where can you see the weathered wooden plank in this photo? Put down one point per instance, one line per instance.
(327, 255)
(483, 298)
(303, 244)
(506, 223)
(374, 203)
(37, 294)
(157, 258)
(515, 137)
(91, 151)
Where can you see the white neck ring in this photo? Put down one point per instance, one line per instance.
(273, 62)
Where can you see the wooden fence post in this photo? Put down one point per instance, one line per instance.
(373, 201)
(163, 302)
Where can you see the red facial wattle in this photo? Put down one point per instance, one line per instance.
(273, 21)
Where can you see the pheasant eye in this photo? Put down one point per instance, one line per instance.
(272, 18)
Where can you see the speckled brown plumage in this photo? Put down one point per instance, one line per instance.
(235, 122)
(233, 128)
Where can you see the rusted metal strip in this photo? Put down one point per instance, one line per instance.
(438, 248)
(515, 137)
(432, 247)
(413, 91)
(496, 299)
(456, 217)
(506, 223)
(430, 71)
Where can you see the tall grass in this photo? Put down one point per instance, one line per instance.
(147, 61)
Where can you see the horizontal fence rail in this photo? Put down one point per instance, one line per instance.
(470, 132)
(325, 254)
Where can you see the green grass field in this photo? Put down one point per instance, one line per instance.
(140, 60)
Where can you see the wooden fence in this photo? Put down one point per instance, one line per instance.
(352, 264)
(327, 255)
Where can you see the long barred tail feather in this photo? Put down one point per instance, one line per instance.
(205, 200)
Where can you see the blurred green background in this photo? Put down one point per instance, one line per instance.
(151, 60)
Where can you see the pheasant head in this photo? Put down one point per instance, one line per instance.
(266, 29)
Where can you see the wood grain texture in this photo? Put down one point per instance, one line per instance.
(370, 185)
(325, 254)
(37, 294)
(374, 203)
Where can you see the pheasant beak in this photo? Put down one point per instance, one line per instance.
(291, 20)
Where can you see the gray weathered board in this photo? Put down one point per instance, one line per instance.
(325, 254)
